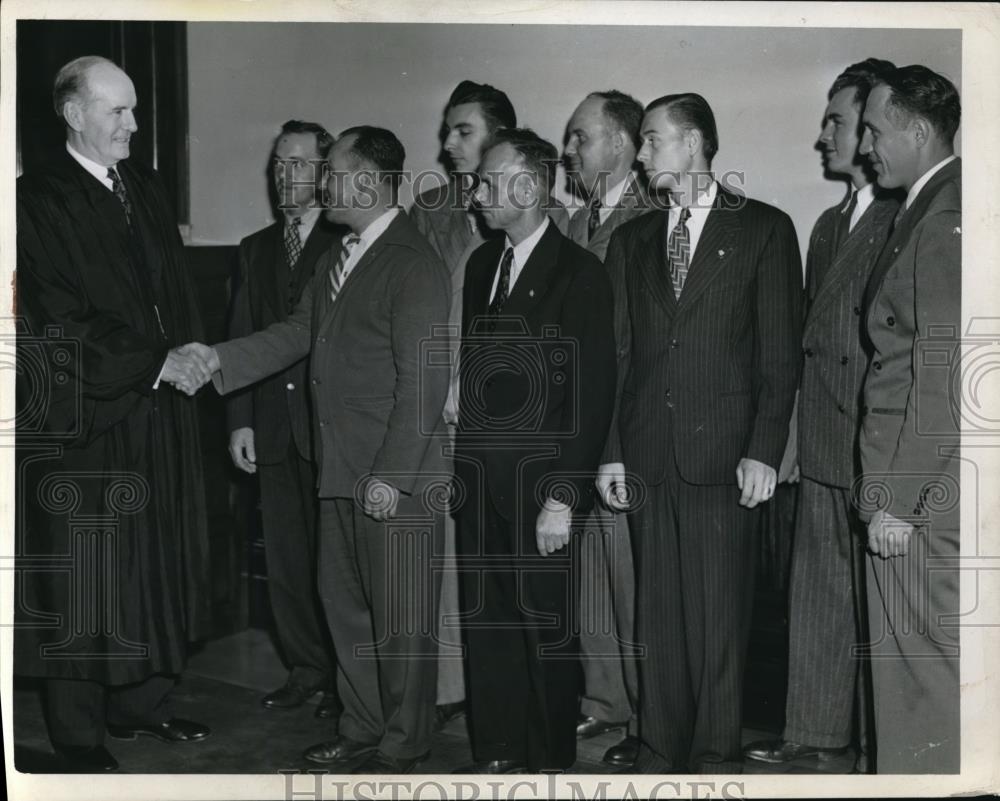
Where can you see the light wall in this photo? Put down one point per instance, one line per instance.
(767, 87)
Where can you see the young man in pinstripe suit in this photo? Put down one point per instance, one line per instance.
(827, 579)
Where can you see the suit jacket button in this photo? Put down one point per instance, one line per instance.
(321, 339)
(322, 423)
(843, 360)
(857, 310)
(667, 394)
(840, 408)
(876, 366)
(808, 352)
(890, 320)
(674, 343)
(315, 381)
(289, 386)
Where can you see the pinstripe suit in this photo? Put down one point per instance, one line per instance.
(703, 382)
(607, 573)
(826, 551)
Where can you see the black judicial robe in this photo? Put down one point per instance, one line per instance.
(111, 540)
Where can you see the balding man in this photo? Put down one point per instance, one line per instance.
(113, 524)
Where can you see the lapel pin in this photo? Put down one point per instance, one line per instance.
(531, 293)
(722, 253)
(957, 230)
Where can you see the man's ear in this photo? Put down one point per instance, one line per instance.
(525, 189)
(921, 130)
(694, 140)
(73, 114)
(619, 142)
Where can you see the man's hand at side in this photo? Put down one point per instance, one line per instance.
(611, 487)
(241, 448)
(888, 536)
(756, 480)
(379, 500)
(552, 527)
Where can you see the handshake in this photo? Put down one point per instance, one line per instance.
(189, 367)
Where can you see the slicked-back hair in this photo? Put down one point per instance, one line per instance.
(71, 81)
(539, 155)
(495, 106)
(380, 149)
(689, 110)
(324, 140)
(862, 77)
(918, 90)
(623, 112)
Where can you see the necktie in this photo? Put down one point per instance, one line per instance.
(337, 274)
(844, 228)
(679, 251)
(503, 288)
(118, 187)
(594, 220)
(293, 241)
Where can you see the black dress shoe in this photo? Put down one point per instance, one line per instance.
(383, 763)
(587, 727)
(175, 730)
(290, 696)
(494, 766)
(342, 749)
(85, 759)
(445, 713)
(624, 753)
(777, 752)
(329, 706)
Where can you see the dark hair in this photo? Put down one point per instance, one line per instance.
(324, 141)
(494, 104)
(862, 77)
(380, 149)
(690, 110)
(71, 80)
(623, 111)
(540, 156)
(918, 90)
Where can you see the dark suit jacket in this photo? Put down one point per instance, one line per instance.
(835, 360)
(634, 202)
(278, 407)
(716, 372)
(377, 406)
(547, 417)
(910, 433)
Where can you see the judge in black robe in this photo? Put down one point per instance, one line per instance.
(111, 528)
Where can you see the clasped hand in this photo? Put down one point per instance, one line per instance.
(189, 367)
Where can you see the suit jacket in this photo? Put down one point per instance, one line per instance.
(634, 201)
(278, 407)
(714, 373)
(835, 361)
(548, 417)
(377, 405)
(910, 430)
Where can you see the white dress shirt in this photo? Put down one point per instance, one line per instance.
(699, 214)
(522, 252)
(99, 171)
(865, 195)
(923, 179)
(368, 237)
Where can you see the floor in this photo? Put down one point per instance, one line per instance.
(222, 688)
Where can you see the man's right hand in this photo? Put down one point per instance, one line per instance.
(190, 367)
(611, 487)
(242, 450)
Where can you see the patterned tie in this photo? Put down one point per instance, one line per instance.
(293, 240)
(337, 274)
(679, 251)
(118, 187)
(594, 220)
(503, 288)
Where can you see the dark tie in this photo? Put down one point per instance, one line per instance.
(503, 288)
(594, 220)
(844, 229)
(337, 275)
(679, 251)
(119, 189)
(293, 242)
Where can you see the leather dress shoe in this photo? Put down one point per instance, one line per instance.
(86, 759)
(175, 730)
(587, 727)
(288, 697)
(494, 767)
(445, 713)
(777, 752)
(624, 753)
(383, 763)
(343, 749)
(329, 706)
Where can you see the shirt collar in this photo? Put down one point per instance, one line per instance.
(614, 194)
(523, 249)
(703, 203)
(923, 179)
(99, 171)
(377, 227)
(308, 222)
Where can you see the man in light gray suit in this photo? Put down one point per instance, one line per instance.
(372, 302)
(601, 141)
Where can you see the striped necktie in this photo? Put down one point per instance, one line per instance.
(293, 240)
(594, 220)
(679, 251)
(337, 273)
(118, 187)
(503, 289)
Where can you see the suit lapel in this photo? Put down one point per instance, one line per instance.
(272, 260)
(651, 260)
(319, 241)
(714, 246)
(533, 279)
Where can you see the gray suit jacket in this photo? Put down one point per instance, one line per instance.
(377, 399)
(634, 201)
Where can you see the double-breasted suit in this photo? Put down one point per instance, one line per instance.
(277, 409)
(376, 411)
(537, 394)
(827, 575)
(704, 381)
(909, 447)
